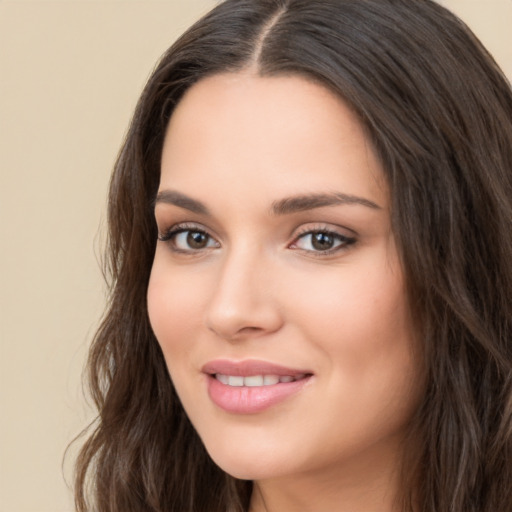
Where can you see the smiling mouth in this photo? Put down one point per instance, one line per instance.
(251, 387)
(256, 380)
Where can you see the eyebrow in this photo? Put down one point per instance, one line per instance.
(311, 201)
(284, 206)
(182, 201)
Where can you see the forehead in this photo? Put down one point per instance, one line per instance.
(283, 133)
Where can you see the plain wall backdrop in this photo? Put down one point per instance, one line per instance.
(70, 74)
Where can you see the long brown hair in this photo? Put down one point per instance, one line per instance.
(439, 113)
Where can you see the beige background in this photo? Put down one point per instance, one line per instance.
(70, 74)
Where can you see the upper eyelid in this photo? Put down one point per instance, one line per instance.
(346, 237)
(185, 226)
(326, 228)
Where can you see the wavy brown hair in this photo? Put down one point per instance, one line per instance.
(439, 113)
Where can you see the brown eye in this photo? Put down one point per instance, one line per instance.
(188, 240)
(197, 239)
(322, 242)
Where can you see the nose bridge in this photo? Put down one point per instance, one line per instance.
(242, 302)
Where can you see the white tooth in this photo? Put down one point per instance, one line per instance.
(286, 378)
(270, 380)
(253, 380)
(300, 376)
(235, 381)
(222, 378)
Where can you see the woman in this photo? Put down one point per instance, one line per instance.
(310, 245)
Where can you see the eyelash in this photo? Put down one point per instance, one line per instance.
(344, 241)
(171, 234)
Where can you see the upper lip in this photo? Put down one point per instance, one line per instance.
(250, 367)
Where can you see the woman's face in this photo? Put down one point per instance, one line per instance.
(276, 293)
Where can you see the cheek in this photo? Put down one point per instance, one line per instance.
(354, 305)
(360, 321)
(362, 330)
(175, 306)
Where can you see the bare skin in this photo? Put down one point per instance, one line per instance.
(275, 246)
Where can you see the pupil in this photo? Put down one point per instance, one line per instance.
(197, 240)
(322, 241)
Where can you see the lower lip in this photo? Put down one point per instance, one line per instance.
(251, 400)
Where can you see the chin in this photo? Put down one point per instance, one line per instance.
(249, 461)
(249, 470)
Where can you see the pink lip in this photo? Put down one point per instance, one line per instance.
(251, 400)
(250, 367)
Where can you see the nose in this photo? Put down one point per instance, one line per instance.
(244, 303)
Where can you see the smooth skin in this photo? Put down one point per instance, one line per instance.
(241, 274)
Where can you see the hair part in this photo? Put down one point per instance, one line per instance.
(439, 113)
